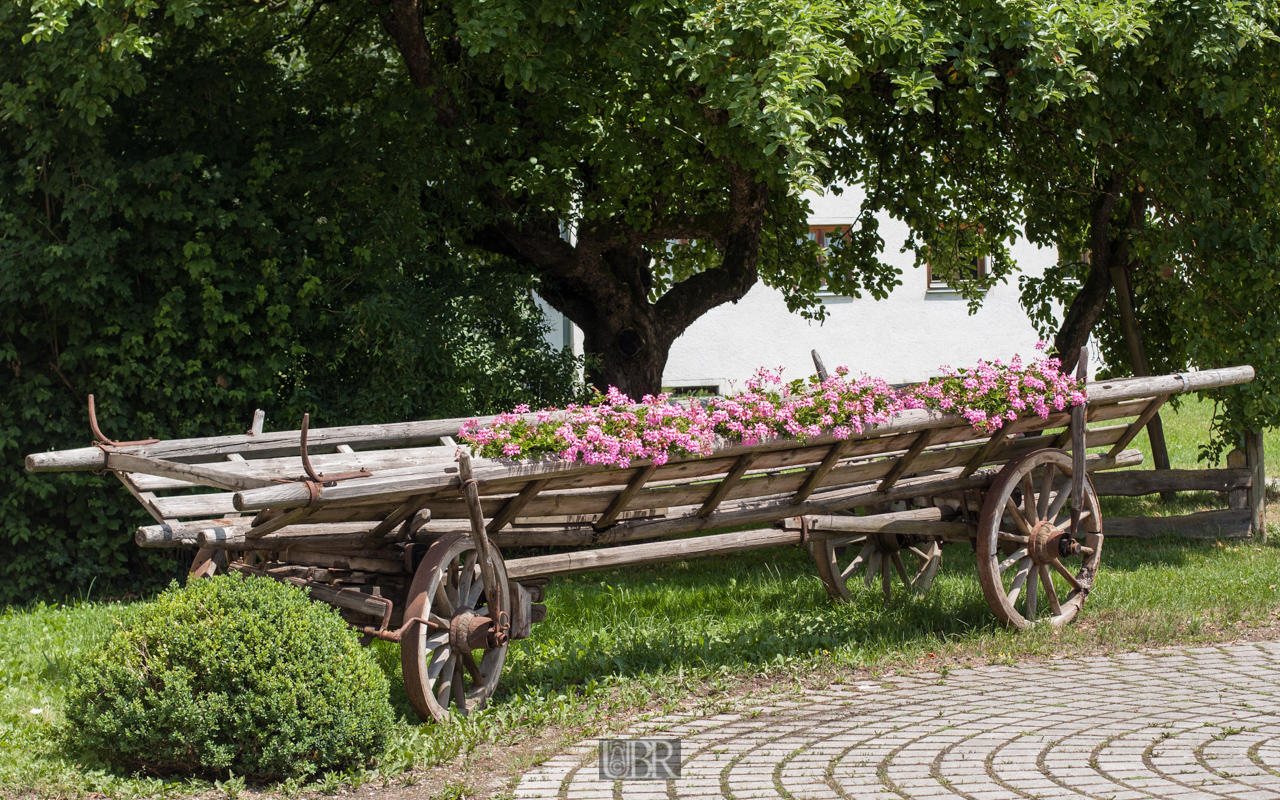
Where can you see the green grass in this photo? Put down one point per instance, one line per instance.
(692, 633)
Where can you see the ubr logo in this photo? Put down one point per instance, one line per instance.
(639, 759)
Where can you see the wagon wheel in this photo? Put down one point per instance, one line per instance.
(1024, 541)
(913, 560)
(440, 669)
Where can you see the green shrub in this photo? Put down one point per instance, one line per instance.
(230, 675)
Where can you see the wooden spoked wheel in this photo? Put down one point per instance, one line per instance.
(879, 556)
(441, 672)
(1031, 568)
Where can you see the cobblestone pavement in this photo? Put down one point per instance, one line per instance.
(1190, 724)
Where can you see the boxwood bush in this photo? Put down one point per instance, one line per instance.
(230, 674)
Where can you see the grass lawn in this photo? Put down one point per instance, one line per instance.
(696, 633)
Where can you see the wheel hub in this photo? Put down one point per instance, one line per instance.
(1048, 544)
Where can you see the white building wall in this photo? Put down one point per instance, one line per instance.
(903, 338)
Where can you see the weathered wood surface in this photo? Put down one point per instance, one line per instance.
(757, 510)
(1225, 524)
(917, 522)
(398, 485)
(1134, 483)
(1238, 497)
(651, 553)
(416, 434)
(1255, 453)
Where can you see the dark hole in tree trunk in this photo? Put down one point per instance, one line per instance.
(630, 342)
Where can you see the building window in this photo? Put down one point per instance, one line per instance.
(825, 235)
(976, 268)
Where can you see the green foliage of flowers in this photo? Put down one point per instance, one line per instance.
(234, 675)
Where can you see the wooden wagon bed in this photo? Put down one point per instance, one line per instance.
(401, 528)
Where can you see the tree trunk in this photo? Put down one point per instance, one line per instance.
(1104, 252)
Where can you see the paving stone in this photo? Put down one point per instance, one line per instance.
(1150, 725)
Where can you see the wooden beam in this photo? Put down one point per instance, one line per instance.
(513, 506)
(730, 480)
(984, 452)
(900, 468)
(651, 553)
(815, 478)
(619, 503)
(284, 520)
(217, 477)
(1138, 424)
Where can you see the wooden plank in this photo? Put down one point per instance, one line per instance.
(389, 563)
(1138, 424)
(1225, 524)
(1135, 483)
(259, 420)
(515, 505)
(900, 468)
(1258, 484)
(730, 480)
(619, 503)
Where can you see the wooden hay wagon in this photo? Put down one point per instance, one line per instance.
(400, 529)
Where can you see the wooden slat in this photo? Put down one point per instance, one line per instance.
(515, 505)
(619, 503)
(900, 468)
(1138, 424)
(147, 499)
(984, 452)
(1228, 523)
(1138, 482)
(824, 467)
(223, 477)
(730, 480)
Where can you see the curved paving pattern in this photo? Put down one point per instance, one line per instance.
(1190, 724)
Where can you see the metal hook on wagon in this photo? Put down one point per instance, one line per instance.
(320, 478)
(102, 441)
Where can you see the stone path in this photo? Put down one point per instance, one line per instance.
(1190, 724)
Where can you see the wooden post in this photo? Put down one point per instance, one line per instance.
(1237, 498)
(1138, 358)
(818, 366)
(1254, 454)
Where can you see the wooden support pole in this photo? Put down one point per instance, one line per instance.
(739, 468)
(1255, 455)
(405, 510)
(900, 468)
(471, 493)
(513, 506)
(619, 503)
